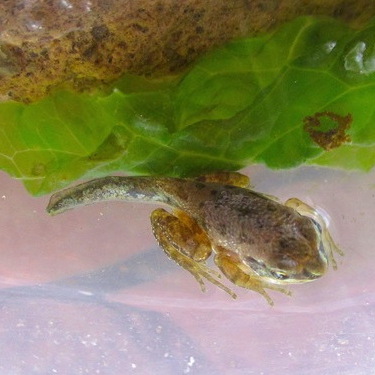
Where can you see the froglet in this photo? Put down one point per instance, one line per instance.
(258, 242)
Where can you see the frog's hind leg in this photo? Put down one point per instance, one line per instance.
(233, 179)
(187, 244)
(306, 210)
(230, 264)
(226, 178)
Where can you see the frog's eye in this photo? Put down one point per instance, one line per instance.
(317, 226)
(279, 275)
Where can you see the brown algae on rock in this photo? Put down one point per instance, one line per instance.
(82, 45)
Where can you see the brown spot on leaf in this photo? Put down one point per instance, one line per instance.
(328, 129)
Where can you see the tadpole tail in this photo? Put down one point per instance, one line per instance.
(111, 188)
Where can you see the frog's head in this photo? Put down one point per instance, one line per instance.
(293, 259)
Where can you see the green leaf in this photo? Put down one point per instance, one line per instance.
(243, 103)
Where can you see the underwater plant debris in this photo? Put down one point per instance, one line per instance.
(330, 138)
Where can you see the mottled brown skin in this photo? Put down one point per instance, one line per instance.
(258, 242)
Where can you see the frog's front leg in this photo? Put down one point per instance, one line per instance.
(186, 243)
(306, 210)
(231, 266)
